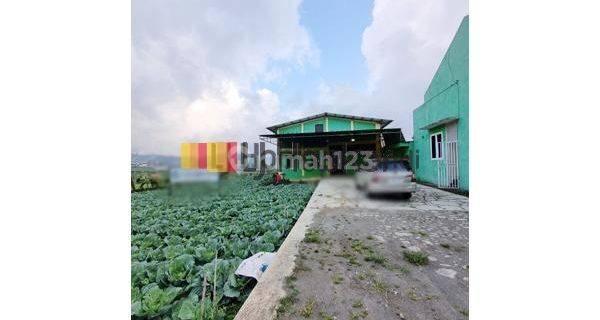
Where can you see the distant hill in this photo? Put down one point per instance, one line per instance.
(154, 161)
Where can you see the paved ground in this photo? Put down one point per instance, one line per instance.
(333, 279)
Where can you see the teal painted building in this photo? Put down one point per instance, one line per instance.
(440, 151)
(331, 134)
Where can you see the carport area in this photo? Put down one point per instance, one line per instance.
(362, 258)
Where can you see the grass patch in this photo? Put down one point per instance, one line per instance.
(358, 315)
(464, 312)
(307, 311)
(313, 236)
(357, 304)
(375, 257)
(404, 270)
(345, 254)
(352, 260)
(348, 256)
(325, 316)
(337, 279)
(358, 246)
(380, 286)
(365, 275)
(417, 258)
(289, 280)
(286, 303)
(414, 296)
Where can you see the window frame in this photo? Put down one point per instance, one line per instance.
(322, 127)
(439, 147)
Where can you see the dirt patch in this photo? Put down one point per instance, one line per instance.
(354, 266)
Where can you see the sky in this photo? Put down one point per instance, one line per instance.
(221, 70)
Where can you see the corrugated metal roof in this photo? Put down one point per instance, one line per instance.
(397, 131)
(383, 122)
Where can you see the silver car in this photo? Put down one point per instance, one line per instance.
(390, 177)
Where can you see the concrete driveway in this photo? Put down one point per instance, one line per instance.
(352, 264)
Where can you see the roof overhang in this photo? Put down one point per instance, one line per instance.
(439, 123)
(334, 134)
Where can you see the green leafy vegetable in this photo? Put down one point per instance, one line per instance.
(175, 239)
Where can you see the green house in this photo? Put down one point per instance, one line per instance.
(332, 135)
(440, 154)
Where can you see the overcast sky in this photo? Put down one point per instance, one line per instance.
(215, 70)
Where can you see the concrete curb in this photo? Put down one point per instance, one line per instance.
(264, 298)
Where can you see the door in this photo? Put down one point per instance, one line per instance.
(452, 165)
(448, 164)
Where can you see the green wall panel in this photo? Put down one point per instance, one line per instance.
(339, 124)
(446, 97)
(309, 126)
(364, 125)
(295, 128)
(331, 124)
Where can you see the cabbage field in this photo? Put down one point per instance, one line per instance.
(176, 237)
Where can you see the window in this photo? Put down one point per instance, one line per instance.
(436, 146)
(318, 128)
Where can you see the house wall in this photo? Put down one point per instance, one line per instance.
(364, 125)
(309, 126)
(330, 124)
(446, 97)
(339, 124)
(295, 128)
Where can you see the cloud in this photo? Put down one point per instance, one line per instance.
(403, 46)
(194, 64)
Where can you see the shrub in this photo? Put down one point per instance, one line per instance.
(416, 257)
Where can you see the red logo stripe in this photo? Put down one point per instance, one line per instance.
(232, 156)
(201, 155)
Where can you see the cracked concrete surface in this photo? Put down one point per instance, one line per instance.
(341, 277)
(357, 268)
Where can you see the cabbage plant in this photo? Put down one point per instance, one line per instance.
(185, 244)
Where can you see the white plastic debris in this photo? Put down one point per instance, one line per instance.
(256, 265)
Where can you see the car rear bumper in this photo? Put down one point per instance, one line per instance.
(408, 187)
